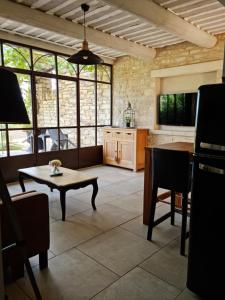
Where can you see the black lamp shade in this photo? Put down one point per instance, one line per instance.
(12, 107)
(85, 57)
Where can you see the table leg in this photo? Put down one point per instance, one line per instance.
(21, 182)
(94, 194)
(147, 186)
(63, 204)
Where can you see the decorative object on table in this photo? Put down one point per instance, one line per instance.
(129, 116)
(13, 111)
(85, 56)
(55, 164)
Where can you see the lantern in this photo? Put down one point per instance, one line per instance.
(129, 116)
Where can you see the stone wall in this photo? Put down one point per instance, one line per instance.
(47, 111)
(133, 82)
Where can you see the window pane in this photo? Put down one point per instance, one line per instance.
(87, 137)
(67, 103)
(66, 68)
(25, 87)
(100, 135)
(87, 72)
(43, 62)
(16, 56)
(43, 142)
(103, 103)
(103, 73)
(87, 103)
(46, 102)
(3, 151)
(20, 142)
(68, 138)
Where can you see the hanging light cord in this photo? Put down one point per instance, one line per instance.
(84, 27)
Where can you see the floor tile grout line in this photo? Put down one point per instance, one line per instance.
(180, 294)
(99, 263)
(171, 284)
(23, 291)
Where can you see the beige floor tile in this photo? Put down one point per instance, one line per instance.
(168, 265)
(14, 292)
(132, 203)
(101, 198)
(68, 234)
(71, 275)
(105, 217)
(126, 187)
(139, 285)
(118, 250)
(162, 233)
(72, 207)
(188, 295)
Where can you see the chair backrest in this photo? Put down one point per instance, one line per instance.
(171, 169)
(54, 134)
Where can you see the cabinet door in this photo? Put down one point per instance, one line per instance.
(126, 154)
(110, 152)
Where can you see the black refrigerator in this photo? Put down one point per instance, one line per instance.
(206, 257)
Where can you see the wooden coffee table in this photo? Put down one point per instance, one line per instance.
(70, 180)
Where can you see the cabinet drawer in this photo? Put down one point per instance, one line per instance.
(128, 136)
(107, 134)
(117, 135)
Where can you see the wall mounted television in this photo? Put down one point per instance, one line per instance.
(177, 109)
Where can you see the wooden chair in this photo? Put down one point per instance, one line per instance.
(171, 171)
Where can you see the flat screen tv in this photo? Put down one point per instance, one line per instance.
(177, 109)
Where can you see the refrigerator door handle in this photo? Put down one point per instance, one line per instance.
(212, 146)
(211, 169)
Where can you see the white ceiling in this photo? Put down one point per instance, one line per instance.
(206, 15)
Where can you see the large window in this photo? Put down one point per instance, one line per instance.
(68, 105)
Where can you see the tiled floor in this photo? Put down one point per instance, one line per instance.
(104, 254)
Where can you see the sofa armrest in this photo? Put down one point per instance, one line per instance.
(22, 194)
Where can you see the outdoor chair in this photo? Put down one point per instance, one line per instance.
(64, 140)
(41, 140)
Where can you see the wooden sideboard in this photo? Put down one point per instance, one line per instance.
(125, 147)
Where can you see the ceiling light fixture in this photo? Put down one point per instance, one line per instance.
(85, 56)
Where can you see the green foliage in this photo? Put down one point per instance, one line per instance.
(44, 62)
(65, 68)
(16, 57)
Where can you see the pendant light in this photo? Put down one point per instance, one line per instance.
(85, 56)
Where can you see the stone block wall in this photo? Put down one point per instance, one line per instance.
(133, 82)
(47, 111)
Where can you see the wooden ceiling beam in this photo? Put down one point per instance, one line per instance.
(25, 15)
(154, 14)
(38, 43)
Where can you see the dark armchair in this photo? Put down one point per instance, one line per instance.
(33, 214)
